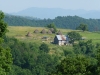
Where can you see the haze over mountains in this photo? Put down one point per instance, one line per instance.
(54, 12)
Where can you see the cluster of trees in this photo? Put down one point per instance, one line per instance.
(68, 22)
(86, 61)
(30, 58)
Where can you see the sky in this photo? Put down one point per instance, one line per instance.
(10, 6)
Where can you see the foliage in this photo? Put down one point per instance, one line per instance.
(5, 61)
(82, 27)
(29, 59)
(44, 47)
(72, 66)
(86, 61)
(52, 26)
(67, 22)
(16, 70)
(5, 55)
(73, 36)
(98, 59)
(85, 48)
(3, 25)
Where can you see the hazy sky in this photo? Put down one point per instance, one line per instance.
(18, 5)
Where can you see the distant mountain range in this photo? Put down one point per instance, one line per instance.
(54, 12)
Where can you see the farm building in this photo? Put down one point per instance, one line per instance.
(61, 40)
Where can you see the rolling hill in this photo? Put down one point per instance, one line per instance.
(54, 12)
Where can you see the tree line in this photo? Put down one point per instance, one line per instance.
(67, 22)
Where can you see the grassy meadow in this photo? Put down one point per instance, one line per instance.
(19, 32)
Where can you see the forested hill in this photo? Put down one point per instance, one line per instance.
(68, 22)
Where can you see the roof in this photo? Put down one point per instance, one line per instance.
(61, 37)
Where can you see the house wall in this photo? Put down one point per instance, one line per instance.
(63, 42)
(56, 41)
(59, 42)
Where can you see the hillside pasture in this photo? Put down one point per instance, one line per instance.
(94, 36)
(19, 32)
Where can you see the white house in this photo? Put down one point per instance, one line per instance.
(61, 40)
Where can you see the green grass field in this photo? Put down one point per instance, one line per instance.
(19, 32)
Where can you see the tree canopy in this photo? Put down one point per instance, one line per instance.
(3, 25)
(82, 27)
(73, 66)
(73, 36)
(44, 47)
(52, 25)
(84, 47)
(5, 55)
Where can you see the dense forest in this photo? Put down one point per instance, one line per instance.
(30, 58)
(68, 22)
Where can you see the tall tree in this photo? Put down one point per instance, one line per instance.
(52, 25)
(82, 27)
(5, 55)
(73, 36)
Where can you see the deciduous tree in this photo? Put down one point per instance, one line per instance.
(73, 36)
(5, 55)
(52, 25)
(82, 27)
(73, 66)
